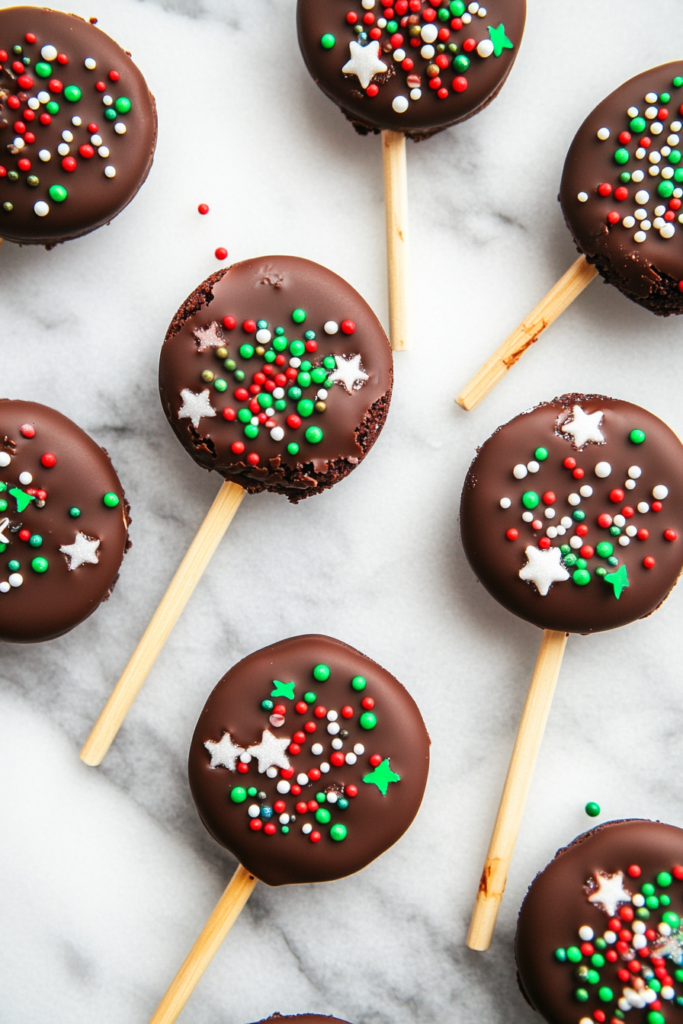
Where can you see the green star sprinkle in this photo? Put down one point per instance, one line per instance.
(499, 39)
(382, 776)
(23, 500)
(282, 689)
(618, 579)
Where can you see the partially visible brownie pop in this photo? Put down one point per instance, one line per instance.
(77, 127)
(407, 68)
(308, 761)
(63, 523)
(572, 518)
(599, 935)
(276, 374)
(621, 196)
(303, 1018)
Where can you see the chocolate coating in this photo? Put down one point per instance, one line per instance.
(45, 602)
(557, 905)
(304, 1018)
(647, 270)
(576, 605)
(280, 852)
(36, 211)
(270, 290)
(479, 78)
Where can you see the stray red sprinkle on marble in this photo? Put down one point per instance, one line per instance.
(203, 208)
(221, 253)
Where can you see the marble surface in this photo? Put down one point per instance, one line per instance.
(108, 874)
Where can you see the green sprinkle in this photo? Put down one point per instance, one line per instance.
(655, 1017)
(3, 504)
(624, 177)
(220, 384)
(323, 815)
(321, 673)
(561, 955)
(530, 499)
(622, 156)
(269, 356)
(656, 985)
(615, 531)
(264, 400)
(599, 943)
(664, 97)
(110, 114)
(677, 83)
(665, 189)
(679, 973)
(251, 431)
(541, 454)
(313, 435)
(252, 791)
(592, 809)
(33, 180)
(601, 571)
(280, 405)
(592, 977)
(293, 448)
(58, 193)
(246, 351)
(279, 344)
(604, 549)
(664, 879)
(244, 415)
(652, 903)
(605, 994)
(671, 918)
(238, 794)
(294, 393)
(72, 93)
(52, 107)
(461, 62)
(310, 697)
(675, 156)
(319, 375)
(578, 515)
(305, 365)
(36, 540)
(638, 124)
(330, 363)
(637, 436)
(305, 407)
(303, 379)
(43, 70)
(664, 900)
(598, 960)
(570, 559)
(327, 41)
(581, 577)
(13, 565)
(298, 316)
(581, 563)
(297, 348)
(74, 512)
(338, 832)
(443, 14)
(342, 803)
(110, 499)
(267, 705)
(457, 7)
(648, 889)
(123, 104)
(367, 720)
(582, 995)
(239, 376)
(285, 829)
(39, 564)
(678, 174)
(358, 683)
(643, 913)
(392, 26)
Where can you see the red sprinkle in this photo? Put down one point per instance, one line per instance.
(605, 189)
(237, 447)
(315, 837)
(49, 460)
(293, 421)
(621, 193)
(55, 85)
(203, 208)
(626, 913)
(587, 551)
(301, 707)
(242, 767)
(229, 323)
(114, 76)
(368, 703)
(578, 473)
(69, 164)
(670, 535)
(351, 791)
(512, 533)
(100, 86)
(613, 217)
(625, 138)
(320, 711)
(627, 512)
(314, 774)
(256, 824)
(544, 542)
(677, 871)
(62, 58)
(616, 495)
(27, 430)
(347, 712)
(549, 497)
(372, 89)
(337, 759)
(656, 506)
(294, 749)
(459, 84)
(569, 462)
(24, 164)
(634, 871)
(86, 151)
(24, 534)
(30, 37)
(537, 524)
(604, 521)
(582, 530)
(352, 17)
(310, 727)
(269, 829)
(469, 45)
(375, 760)
(347, 326)
(221, 253)
(253, 459)
(643, 534)
(229, 414)
(649, 562)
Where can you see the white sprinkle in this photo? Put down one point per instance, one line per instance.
(582, 197)
(96, 140)
(482, 12)
(44, 155)
(664, 929)
(324, 767)
(631, 531)
(427, 51)
(110, 172)
(533, 467)
(485, 48)
(317, 749)
(67, 135)
(76, 121)
(253, 810)
(654, 158)
(666, 150)
(528, 517)
(90, 63)
(333, 728)
(611, 937)
(399, 55)
(629, 222)
(350, 758)
(284, 819)
(640, 153)
(574, 499)
(103, 152)
(48, 52)
(44, 97)
(520, 471)
(552, 532)
(576, 542)
(254, 421)
(659, 492)
(381, 23)
(668, 231)
(667, 992)
(415, 94)
(337, 744)
(619, 521)
(560, 530)
(641, 214)
(466, 18)
(505, 503)
(653, 171)
(632, 111)
(642, 197)
(4, 587)
(637, 176)
(120, 128)
(278, 393)
(277, 433)
(656, 127)
(566, 522)
(332, 797)
(651, 113)
(302, 779)
(660, 211)
(586, 933)
(15, 579)
(624, 541)
(331, 327)
(676, 126)
(634, 472)
(63, 149)
(429, 33)
(667, 172)
(34, 103)
(639, 927)
(18, 143)
(603, 469)
(245, 758)
(41, 209)
(5, 459)
(640, 236)
(550, 513)
(629, 485)
(603, 134)
(263, 336)
(271, 772)
(359, 749)
(651, 97)
(400, 104)
(645, 225)
(307, 828)
(585, 491)
(673, 140)
(332, 716)
(368, 4)
(283, 786)
(107, 100)
(26, 479)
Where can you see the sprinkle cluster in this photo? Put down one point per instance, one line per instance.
(290, 386)
(274, 754)
(34, 76)
(648, 173)
(626, 967)
(432, 41)
(616, 525)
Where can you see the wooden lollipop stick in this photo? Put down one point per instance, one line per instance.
(228, 909)
(396, 212)
(520, 772)
(187, 576)
(568, 288)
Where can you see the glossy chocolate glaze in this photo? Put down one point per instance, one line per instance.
(428, 114)
(497, 560)
(556, 906)
(52, 602)
(647, 272)
(374, 821)
(304, 1018)
(93, 198)
(270, 288)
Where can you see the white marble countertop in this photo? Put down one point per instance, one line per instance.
(108, 874)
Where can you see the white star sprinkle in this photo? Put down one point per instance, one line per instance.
(195, 406)
(270, 751)
(584, 427)
(611, 893)
(543, 568)
(82, 551)
(209, 337)
(364, 62)
(348, 372)
(3, 526)
(224, 753)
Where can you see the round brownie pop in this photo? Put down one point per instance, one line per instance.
(622, 189)
(599, 936)
(572, 514)
(412, 66)
(63, 523)
(77, 126)
(308, 761)
(304, 1018)
(276, 374)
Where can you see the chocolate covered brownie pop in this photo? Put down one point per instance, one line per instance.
(77, 126)
(303, 1018)
(276, 374)
(572, 518)
(63, 523)
(411, 66)
(599, 935)
(308, 761)
(621, 196)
